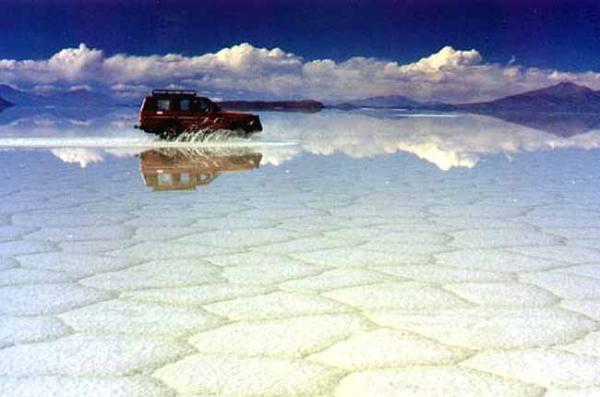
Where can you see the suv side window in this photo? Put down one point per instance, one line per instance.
(184, 105)
(163, 104)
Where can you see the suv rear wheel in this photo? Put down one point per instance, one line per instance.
(171, 131)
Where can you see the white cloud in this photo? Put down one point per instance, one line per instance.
(446, 59)
(70, 64)
(447, 75)
(75, 63)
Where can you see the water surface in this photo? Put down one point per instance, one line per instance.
(341, 253)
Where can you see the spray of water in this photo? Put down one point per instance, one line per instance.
(209, 136)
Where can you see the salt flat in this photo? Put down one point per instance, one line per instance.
(338, 268)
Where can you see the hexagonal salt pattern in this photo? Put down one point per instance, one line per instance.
(210, 374)
(325, 276)
(430, 381)
(89, 355)
(544, 367)
(387, 348)
(132, 386)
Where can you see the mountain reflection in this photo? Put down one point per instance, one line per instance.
(186, 169)
(559, 124)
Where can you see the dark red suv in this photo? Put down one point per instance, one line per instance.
(169, 113)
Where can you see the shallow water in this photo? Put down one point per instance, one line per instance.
(346, 254)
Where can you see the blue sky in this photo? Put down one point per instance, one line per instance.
(544, 33)
(551, 35)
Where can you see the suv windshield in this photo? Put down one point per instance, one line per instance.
(203, 105)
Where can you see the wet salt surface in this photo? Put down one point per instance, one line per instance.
(387, 261)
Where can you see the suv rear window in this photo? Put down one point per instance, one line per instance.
(163, 104)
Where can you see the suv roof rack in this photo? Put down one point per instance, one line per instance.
(174, 92)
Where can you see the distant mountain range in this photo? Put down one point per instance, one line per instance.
(80, 97)
(4, 104)
(85, 98)
(562, 97)
(4, 101)
(382, 102)
(307, 105)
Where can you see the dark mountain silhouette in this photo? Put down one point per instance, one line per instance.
(68, 114)
(20, 98)
(306, 105)
(563, 97)
(564, 109)
(81, 97)
(382, 102)
(4, 103)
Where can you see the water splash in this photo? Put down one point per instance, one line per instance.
(210, 136)
(114, 142)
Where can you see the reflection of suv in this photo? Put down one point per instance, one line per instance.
(168, 113)
(185, 169)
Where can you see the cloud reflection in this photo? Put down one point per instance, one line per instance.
(447, 142)
(459, 141)
(81, 156)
